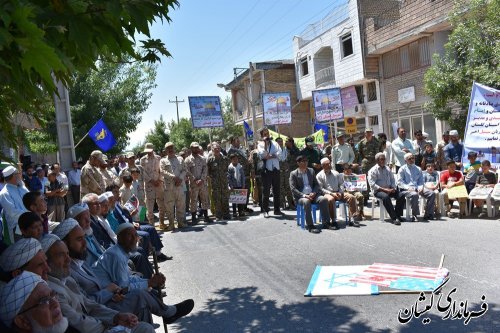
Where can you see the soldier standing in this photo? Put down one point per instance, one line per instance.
(217, 170)
(174, 172)
(367, 149)
(196, 169)
(153, 184)
(91, 179)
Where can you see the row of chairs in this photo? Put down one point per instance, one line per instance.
(339, 206)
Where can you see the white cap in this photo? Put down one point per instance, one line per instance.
(48, 240)
(64, 228)
(8, 171)
(324, 160)
(19, 253)
(75, 210)
(453, 133)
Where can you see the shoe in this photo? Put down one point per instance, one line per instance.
(414, 218)
(428, 217)
(401, 219)
(278, 212)
(162, 257)
(266, 215)
(170, 227)
(194, 219)
(335, 226)
(182, 309)
(226, 217)
(181, 225)
(248, 210)
(313, 230)
(396, 222)
(449, 214)
(355, 224)
(357, 218)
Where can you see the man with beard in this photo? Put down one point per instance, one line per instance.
(82, 312)
(24, 255)
(29, 305)
(91, 180)
(453, 150)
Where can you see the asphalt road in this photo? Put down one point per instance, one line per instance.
(250, 276)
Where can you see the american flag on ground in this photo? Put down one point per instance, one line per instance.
(402, 276)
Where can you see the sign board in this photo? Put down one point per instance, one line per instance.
(351, 126)
(355, 183)
(457, 192)
(206, 111)
(238, 196)
(327, 105)
(349, 97)
(277, 108)
(406, 95)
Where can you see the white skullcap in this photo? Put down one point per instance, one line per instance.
(378, 155)
(8, 171)
(48, 240)
(103, 197)
(19, 253)
(124, 226)
(408, 155)
(425, 135)
(15, 293)
(453, 133)
(324, 160)
(64, 228)
(77, 209)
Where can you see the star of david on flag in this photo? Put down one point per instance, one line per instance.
(102, 136)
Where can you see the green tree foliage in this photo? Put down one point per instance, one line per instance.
(182, 133)
(471, 54)
(120, 91)
(45, 38)
(40, 142)
(158, 136)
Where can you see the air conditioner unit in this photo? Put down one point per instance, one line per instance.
(360, 109)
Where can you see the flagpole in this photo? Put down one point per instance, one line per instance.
(86, 134)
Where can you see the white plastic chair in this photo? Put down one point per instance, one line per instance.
(381, 206)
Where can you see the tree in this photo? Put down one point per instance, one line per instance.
(116, 92)
(158, 136)
(471, 54)
(182, 133)
(43, 39)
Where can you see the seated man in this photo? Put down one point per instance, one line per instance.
(383, 185)
(24, 255)
(411, 184)
(141, 302)
(31, 225)
(83, 313)
(29, 305)
(331, 185)
(305, 190)
(360, 199)
(485, 179)
(449, 179)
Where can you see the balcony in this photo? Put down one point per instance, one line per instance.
(325, 77)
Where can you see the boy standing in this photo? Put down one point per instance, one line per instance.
(236, 180)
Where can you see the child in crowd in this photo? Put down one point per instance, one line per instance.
(236, 180)
(348, 171)
(126, 189)
(471, 170)
(55, 193)
(431, 181)
(429, 156)
(451, 178)
(31, 225)
(486, 178)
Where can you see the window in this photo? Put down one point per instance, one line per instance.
(373, 120)
(346, 43)
(304, 67)
(372, 91)
(359, 93)
(407, 58)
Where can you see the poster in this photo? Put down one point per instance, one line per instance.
(206, 111)
(355, 183)
(277, 108)
(349, 97)
(327, 105)
(318, 137)
(457, 192)
(238, 196)
(482, 133)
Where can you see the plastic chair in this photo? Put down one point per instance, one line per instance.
(341, 205)
(381, 205)
(301, 216)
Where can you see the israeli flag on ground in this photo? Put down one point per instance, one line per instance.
(335, 280)
(102, 136)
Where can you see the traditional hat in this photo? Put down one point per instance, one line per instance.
(124, 226)
(453, 133)
(64, 228)
(76, 209)
(324, 160)
(48, 240)
(15, 293)
(8, 171)
(19, 253)
(105, 196)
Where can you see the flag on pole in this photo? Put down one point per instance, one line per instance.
(248, 131)
(102, 136)
(325, 128)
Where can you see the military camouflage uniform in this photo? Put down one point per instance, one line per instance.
(175, 198)
(196, 169)
(256, 174)
(107, 176)
(151, 172)
(217, 170)
(91, 181)
(441, 161)
(285, 192)
(366, 152)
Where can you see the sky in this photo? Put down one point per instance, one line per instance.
(207, 39)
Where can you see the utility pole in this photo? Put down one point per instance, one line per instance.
(177, 106)
(252, 104)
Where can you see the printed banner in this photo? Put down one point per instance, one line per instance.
(248, 131)
(238, 196)
(325, 129)
(327, 105)
(457, 192)
(102, 136)
(277, 108)
(351, 127)
(335, 280)
(355, 183)
(349, 97)
(206, 111)
(301, 142)
(482, 133)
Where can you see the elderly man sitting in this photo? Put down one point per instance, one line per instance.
(29, 305)
(383, 185)
(411, 184)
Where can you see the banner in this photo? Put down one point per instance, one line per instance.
(351, 127)
(102, 136)
(248, 131)
(301, 142)
(327, 105)
(349, 97)
(238, 196)
(354, 183)
(206, 111)
(482, 133)
(277, 108)
(325, 129)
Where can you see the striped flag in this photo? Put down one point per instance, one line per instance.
(402, 276)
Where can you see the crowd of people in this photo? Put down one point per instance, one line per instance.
(76, 246)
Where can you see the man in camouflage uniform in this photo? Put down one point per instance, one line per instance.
(107, 175)
(196, 169)
(368, 147)
(256, 165)
(312, 154)
(153, 184)
(91, 179)
(242, 159)
(285, 192)
(174, 172)
(217, 170)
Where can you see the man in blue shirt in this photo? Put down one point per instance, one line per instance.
(11, 200)
(453, 150)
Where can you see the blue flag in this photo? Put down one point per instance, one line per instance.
(248, 131)
(102, 136)
(325, 129)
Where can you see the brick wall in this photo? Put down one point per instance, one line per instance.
(392, 85)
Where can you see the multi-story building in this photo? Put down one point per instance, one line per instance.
(265, 77)
(330, 54)
(403, 36)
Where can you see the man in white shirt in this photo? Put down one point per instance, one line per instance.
(400, 147)
(269, 152)
(342, 153)
(74, 182)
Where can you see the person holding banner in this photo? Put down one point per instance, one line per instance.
(452, 178)
(268, 151)
(342, 153)
(236, 180)
(240, 152)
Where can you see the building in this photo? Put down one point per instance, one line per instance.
(264, 77)
(403, 36)
(330, 54)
